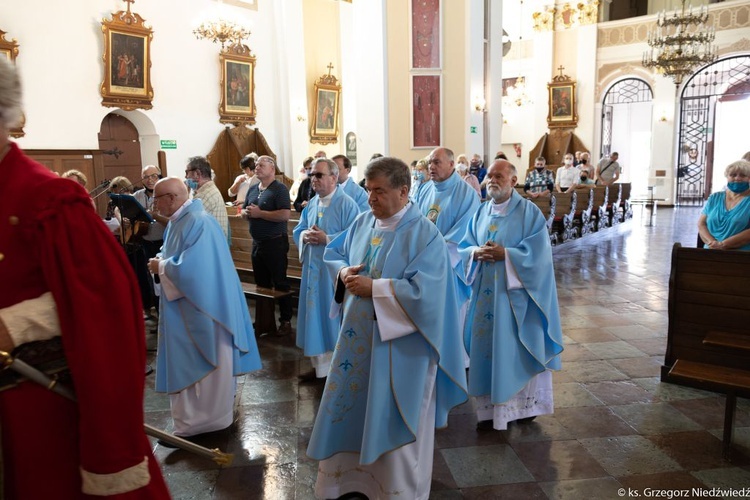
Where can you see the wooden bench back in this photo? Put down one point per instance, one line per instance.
(519, 190)
(601, 194)
(709, 296)
(565, 203)
(242, 244)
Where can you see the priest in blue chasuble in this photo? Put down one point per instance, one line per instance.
(327, 214)
(206, 337)
(397, 369)
(512, 332)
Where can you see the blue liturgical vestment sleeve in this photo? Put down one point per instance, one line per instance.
(511, 335)
(199, 264)
(373, 396)
(316, 331)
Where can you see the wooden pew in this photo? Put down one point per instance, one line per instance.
(626, 206)
(582, 218)
(547, 205)
(565, 208)
(708, 339)
(265, 306)
(614, 210)
(599, 210)
(242, 247)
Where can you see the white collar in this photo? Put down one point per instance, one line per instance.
(180, 210)
(391, 222)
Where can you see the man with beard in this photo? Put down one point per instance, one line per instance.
(513, 332)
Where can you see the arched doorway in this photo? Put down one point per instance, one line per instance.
(626, 129)
(714, 105)
(118, 140)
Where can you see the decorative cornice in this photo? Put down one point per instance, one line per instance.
(636, 30)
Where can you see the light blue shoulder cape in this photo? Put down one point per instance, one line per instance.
(201, 267)
(356, 193)
(316, 330)
(511, 335)
(373, 396)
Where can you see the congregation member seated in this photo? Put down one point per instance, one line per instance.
(724, 223)
(540, 181)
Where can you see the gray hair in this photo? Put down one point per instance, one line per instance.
(739, 166)
(333, 167)
(10, 95)
(393, 169)
(200, 163)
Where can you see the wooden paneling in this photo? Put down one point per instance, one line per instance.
(88, 161)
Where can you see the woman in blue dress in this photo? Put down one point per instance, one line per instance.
(724, 223)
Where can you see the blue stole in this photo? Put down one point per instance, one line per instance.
(200, 266)
(511, 335)
(373, 396)
(316, 331)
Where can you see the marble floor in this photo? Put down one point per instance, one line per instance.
(616, 431)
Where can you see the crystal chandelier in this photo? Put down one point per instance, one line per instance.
(680, 42)
(516, 93)
(222, 32)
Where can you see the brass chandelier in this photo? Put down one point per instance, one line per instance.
(222, 32)
(680, 42)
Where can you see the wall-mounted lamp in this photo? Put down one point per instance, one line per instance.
(663, 118)
(480, 104)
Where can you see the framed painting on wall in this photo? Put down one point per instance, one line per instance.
(425, 34)
(127, 62)
(562, 104)
(237, 85)
(9, 50)
(426, 94)
(325, 123)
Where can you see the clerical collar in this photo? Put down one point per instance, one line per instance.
(391, 222)
(176, 215)
(325, 201)
(347, 180)
(499, 208)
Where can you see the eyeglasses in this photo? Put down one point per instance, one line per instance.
(152, 176)
(318, 175)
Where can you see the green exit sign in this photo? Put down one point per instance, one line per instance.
(169, 144)
(473, 130)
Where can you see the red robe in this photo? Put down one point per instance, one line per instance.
(51, 239)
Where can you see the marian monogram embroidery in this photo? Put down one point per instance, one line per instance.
(432, 213)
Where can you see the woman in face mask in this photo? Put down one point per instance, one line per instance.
(471, 179)
(724, 223)
(418, 178)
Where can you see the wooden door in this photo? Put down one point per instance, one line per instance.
(118, 140)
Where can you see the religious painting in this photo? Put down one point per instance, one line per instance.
(562, 104)
(426, 111)
(9, 50)
(127, 62)
(325, 123)
(425, 34)
(237, 85)
(351, 147)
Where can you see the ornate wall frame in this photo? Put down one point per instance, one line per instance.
(127, 62)
(426, 28)
(9, 50)
(325, 122)
(562, 102)
(237, 104)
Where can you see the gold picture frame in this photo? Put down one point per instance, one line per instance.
(237, 104)
(325, 122)
(9, 50)
(562, 102)
(127, 62)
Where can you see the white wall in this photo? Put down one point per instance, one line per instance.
(60, 61)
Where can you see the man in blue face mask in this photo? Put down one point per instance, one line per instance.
(198, 179)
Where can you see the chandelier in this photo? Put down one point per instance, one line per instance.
(680, 42)
(222, 32)
(516, 93)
